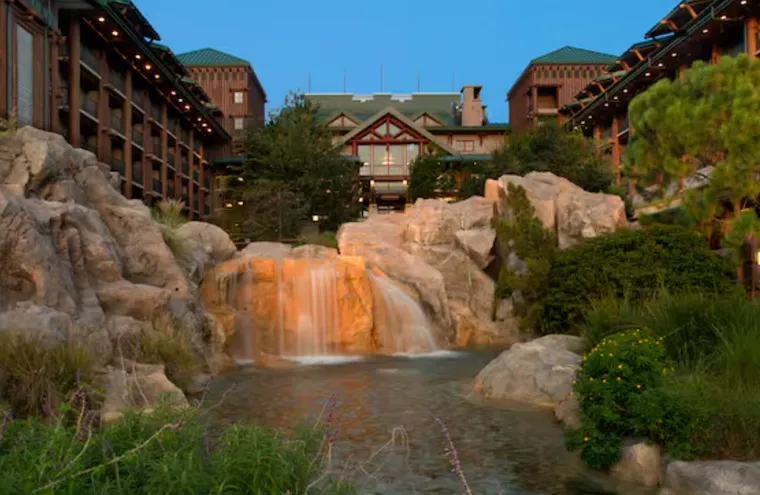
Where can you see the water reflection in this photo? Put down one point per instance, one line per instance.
(503, 448)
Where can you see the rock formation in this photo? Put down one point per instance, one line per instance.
(80, 261)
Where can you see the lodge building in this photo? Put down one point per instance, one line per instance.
(93, 71)
(549, 82)
(385, 132)
(694, 30)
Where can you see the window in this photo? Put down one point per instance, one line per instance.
(238, 123)
(238, 97)
(25, 75)
(466, 145)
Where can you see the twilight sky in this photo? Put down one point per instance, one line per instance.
(487, 42)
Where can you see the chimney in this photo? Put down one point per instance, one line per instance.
(473, 113)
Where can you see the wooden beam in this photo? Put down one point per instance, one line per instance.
(690, 9)
(639, 55)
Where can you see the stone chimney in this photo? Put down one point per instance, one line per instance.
(473, 113)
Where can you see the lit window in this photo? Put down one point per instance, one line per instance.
(238, 123)
(238, 97)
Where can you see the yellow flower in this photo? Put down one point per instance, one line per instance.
(591, 379)
(638, 386)
(620, 366)
(620, 379)
(575, 381)
(664, 371)
(610, 354)
(604, 380)
(586, 439)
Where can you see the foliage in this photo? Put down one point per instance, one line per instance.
(552, 148)
(710, 408)
(170, 214)
(609, 383)
(10, 126)
(706, 117)
(746, 223)
(291, 172)
(428, 175)
(36, 376)
(326, 239)
(158, 453)
(521, 235)
(630, 264)
(166, 342)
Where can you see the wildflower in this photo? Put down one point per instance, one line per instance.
(575, 381)
(604, 380)
(586, 439)
(619, 379)
(610, 354)
(620, 366)
(664, 371)
(591, 379)
(638, 386)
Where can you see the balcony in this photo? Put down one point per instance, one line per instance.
(158, 186)
(170, 188)
(117, 165)
(137, 173)
(117, 123)
(207, 210)
(89, 103)
(116, 81)
(184, 168)
(155, 112)
(137, 136)
(138, 98)
(171, 159)
(90, 59)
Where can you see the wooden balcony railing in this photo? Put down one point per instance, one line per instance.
(89, 57)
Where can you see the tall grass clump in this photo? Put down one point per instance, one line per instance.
(164, 452)
(709, 406)
(37, 376)
(164, 341)
(169, 213)
(9, 126)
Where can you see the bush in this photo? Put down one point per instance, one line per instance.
(326, 239)
(630, 265)
(710, 408)
(552, 148)
(523, 235)
(158, 453)
(10, 126)
(611, 380)
(36, 377)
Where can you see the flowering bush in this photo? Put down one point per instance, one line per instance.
(611, 380)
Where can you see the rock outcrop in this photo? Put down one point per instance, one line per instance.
(79, 261)
(539, 372)
(564, 208)
(640, 463)
(712, 478)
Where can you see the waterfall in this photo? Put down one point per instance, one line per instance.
(401, 325)
(314, 307)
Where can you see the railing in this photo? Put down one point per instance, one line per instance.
(172, 124)
(206, 210)
(117, 165)
(88, 105)
(117, 80)
(207, 180)
(171, 159)
(158, 186)
(197, 146)
(170, 188)
(155, 143)
(91, 146)
(137, 135)
(155, 111)
(117, 123)
(138, 98)
(137, 173)
(89, 57)
(184, 168)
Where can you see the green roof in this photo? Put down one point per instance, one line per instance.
(466, 158)
(438, 106)
(572, 55)
(210, 56)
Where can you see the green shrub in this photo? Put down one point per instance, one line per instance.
(36, 377)
(326, 239)
(632, 265)
(9, 126)
(611, 380)
(159, 453)
(523, 235)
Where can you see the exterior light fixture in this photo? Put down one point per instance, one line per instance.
(315, 218)
(361, 200)
(615, 98)
(648, 74)
(228, 205)
(187, 107)
(625, 90)
(199, 119)
(240, 203)
(405, 182)
(174, 93)
(372, 183)
(240, 179)
(744, 2)
(157, 76)
(180, 100)
(660, 64)
(757, 258)
(606, 104)
(101, 19)
(115, 32)
(705, 31)
(583, 122)
(148, 67)
(723, 17)
(204, 124)
(138, 56)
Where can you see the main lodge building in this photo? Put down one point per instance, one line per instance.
(386, 132)
(93, 71)
(694, 30)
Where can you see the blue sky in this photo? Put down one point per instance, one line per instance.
(487, 42)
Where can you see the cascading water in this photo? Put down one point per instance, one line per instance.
(400, 322)
(295, 308)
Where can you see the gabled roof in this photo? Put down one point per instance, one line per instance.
(209, 57)
(362, 107)
(573, 55)
(403, 118)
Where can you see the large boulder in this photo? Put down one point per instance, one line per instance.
(640, 463)
(712, 478)
(204, 245)
(478, 244)
(539, 372)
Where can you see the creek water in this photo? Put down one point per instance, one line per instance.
(503, 447)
